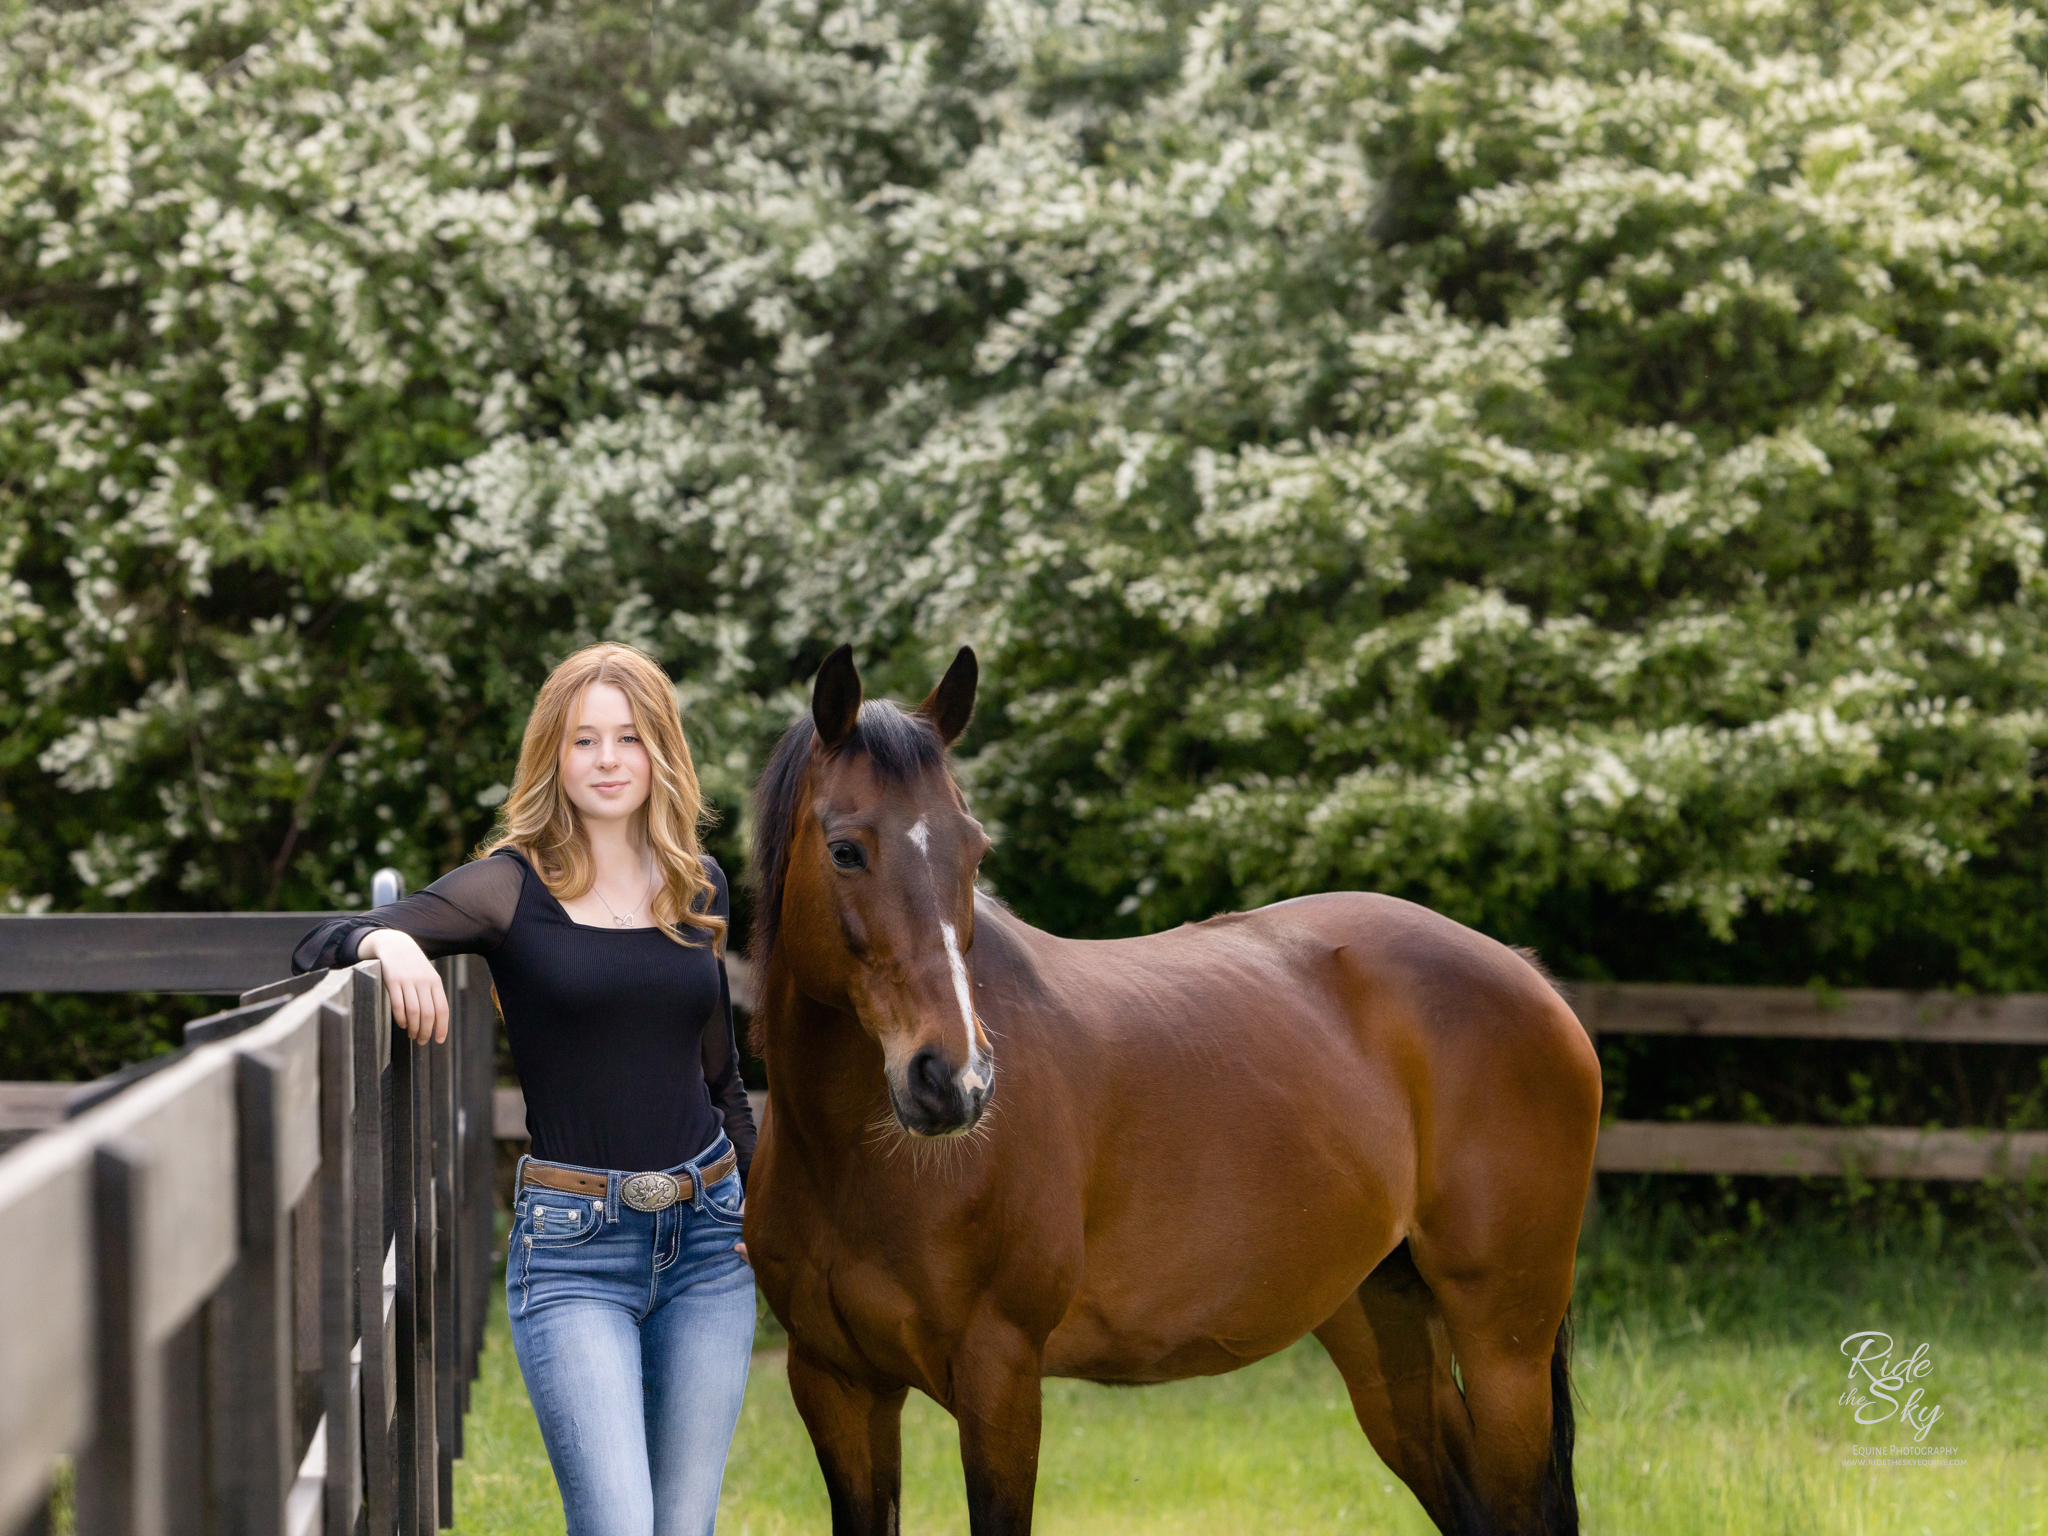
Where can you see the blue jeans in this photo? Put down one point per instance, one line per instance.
(633, 1330)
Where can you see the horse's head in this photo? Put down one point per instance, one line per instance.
(875, 908)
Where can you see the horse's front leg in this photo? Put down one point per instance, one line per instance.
(857, 1432)
(996, 1400)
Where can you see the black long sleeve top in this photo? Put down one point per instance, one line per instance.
(623, 1038)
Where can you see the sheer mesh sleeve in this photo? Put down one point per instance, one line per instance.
(721, 1047)
(465, 912)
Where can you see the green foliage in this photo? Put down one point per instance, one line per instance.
(1578, 466)
(1754, 1258)
(75, 1037)
(1824, 1082)
(263, 263)
(1616, 525)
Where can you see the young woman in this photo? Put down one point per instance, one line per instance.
(631, 1302)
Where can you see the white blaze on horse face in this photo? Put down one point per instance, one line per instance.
(922, 836)
(973, 1076)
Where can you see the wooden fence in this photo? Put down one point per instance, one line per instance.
(244, 1289)
(1782, 1013)
(124, 952)
(217, 952)
(1798, 1013)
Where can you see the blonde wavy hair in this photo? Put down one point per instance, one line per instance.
(539, 820)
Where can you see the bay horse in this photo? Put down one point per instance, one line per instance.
(993, 1155)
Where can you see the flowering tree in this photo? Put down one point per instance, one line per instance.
(1578, 466)
(261, 263)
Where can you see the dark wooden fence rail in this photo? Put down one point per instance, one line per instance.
(1788, 1013)
(245, 1292)
(213, 952)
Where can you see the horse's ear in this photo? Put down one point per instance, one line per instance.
(835, 698)
(951, 704)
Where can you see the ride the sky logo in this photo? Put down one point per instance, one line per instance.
(1881, 1388)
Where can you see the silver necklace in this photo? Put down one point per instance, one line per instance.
(618, 921)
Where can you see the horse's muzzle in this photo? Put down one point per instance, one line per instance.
(935, 1100)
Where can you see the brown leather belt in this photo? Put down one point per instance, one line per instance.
(642, 1191)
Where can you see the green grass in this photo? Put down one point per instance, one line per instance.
(1708, 1389)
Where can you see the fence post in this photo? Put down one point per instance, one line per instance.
(464, 1282)
(182, 1361)
(252, 1354)
(447, 1291)
(414, 1224)
(479, 1167)
(404, 1213)
(341, 1398)
(412, 1228)
(377, 1379)
(419, 1346)
(119, 1479)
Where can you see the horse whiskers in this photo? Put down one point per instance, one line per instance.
(928, 1154)
(883, 1132)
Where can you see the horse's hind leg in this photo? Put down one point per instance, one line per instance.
(1389, 1342)
(1508, 1329)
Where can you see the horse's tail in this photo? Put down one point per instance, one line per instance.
(1560, 1503)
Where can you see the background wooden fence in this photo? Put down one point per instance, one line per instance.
(1798, 1013)
(1779, 1013)
(244, 1290)
(228, 952)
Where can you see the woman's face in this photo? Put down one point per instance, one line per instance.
(604, 764)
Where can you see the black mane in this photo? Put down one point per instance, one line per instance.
(900, 745)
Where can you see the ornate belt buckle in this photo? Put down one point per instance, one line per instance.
(649, 1191)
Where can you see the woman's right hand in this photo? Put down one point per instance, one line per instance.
(419, 1003)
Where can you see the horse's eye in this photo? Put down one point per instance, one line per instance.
(849, 856)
